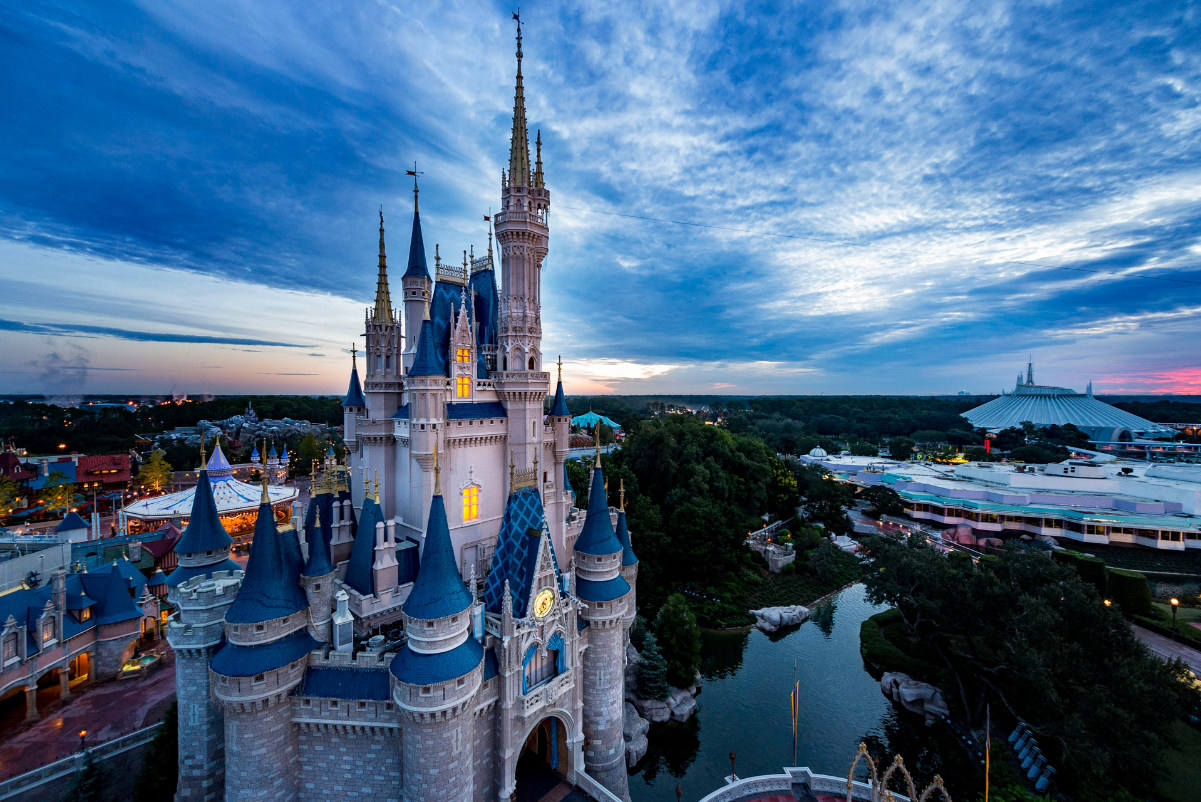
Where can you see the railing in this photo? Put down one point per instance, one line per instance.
(71, 764)
(818, 784)
(592, 788)
(545, 693)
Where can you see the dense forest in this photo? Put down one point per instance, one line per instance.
(47, 429)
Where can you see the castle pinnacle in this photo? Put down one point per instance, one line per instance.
(383, 298)
(519, 149)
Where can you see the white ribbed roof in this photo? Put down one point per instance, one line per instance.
(1044, 406)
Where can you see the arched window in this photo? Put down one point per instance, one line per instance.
(388, 362)
(379, 363)
(542, 665)
(471, 503)
(531, 363)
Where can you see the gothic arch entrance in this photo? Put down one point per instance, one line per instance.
(542, 765)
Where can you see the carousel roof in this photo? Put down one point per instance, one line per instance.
(230, 495)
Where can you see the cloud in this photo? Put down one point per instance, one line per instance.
(79, 330)
(956, 185)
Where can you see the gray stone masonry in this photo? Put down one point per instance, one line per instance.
(201, 730)
(603, 689)
(485, 754)
(437, 759)
(320, 592)
(349, 762)
(113, 644)
(262, 753)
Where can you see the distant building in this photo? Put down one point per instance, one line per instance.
(1044, 405)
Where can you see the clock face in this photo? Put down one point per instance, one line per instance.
(543, 603)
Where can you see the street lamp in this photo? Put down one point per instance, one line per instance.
(1175, 603)
(733, 775)
(679, 792)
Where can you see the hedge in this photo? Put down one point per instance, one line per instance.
(990, 561)
(1130, 591)
(1189, 631)
(1091, 569)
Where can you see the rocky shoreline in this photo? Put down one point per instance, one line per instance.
(638, 714)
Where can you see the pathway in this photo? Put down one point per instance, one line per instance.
(106, 711)
(1169, 649)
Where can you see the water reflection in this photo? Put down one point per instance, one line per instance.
(744, 707)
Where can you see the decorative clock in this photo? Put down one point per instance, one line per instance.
(543, 603)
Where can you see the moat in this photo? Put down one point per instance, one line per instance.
(744, 708)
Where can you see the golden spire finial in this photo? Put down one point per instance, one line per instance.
(622, 493)
(266, 499)
(437, 473)
(377, 487)
(203, 456)
(366, 483)
(512, 470)
(383, 298)
(560, 368)
(596, 436)
(354, 362)
(316, 517)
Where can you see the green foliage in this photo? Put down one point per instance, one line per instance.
(807, 538)
(680, 638)
(1091, 569)
(1130, 592)
(788, 568)
(652, 671)
(155, 473)
(160, 768)
(880, 652)
(90, 783)
(578, 474)
(862, 448)
(884, 501)
(1032, 630)
(58, 494)
(8, 497)
(825, 501)
(638, 632)
(900, 448)
(824, 562)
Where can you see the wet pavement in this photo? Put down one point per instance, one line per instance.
(107, 711)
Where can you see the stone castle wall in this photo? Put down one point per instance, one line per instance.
(437, 759)
(603, 689)
(201, 730)
(485, 754)
(261, 754)
(349, 762)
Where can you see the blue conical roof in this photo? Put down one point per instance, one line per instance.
(271, 587)
(426, 361)
(439, 590)
(354, 395)
(71, 523)
(362, 554)
(623, 536)
(319, 537)
(559, 410)
(417, 266)
(116, 605)
(598, 537)
(254, 453)
(204, 531)
(273, 452)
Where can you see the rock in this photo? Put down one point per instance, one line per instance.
(916, 697)
(653, 709)
(685, 708)
(769, 619)
(633, 724)
(635, 750)
(632, 655)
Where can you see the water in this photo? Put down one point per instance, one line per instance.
(744, 707)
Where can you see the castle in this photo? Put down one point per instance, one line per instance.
(508, 608)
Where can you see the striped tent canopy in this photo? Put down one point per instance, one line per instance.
(590, 419)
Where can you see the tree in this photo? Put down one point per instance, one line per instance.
(826, 502)
(884, 501)
(677, 631)
(8, 497)
(861, 448)
(900, 448)
(160, 769)
(825, 562)
(58, 494)
(652, 671)
(155, 473)
(90, 783)
(1028, 633)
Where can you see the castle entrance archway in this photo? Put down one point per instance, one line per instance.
(542, 766)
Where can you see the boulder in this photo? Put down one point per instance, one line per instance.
(685, 708)
(633, 724)
(636, 750)
(653, 709)
(769, 619)
(916, 697)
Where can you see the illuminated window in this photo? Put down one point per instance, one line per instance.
(462, 355)
(464, 386)
(471, 503)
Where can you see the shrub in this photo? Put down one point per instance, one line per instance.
(680, 639)
(989, 562)
(638, 632)
(652, 671)
(788, 568)
(1130, 591)
(1091, 569)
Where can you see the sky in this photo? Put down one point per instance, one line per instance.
(746, 198)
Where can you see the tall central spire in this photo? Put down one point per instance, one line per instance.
(383, 298)
(519, 150)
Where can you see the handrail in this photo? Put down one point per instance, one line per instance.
(70, 764)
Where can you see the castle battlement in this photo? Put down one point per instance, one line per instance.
(360, 659)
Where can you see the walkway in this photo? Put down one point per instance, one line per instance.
(106, 711)
(1169, 649)
(537, 782)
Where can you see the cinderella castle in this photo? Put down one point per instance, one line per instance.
(508, 609)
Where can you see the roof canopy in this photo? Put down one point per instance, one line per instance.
(590, 418)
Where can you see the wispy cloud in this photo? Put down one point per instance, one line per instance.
(79, 330)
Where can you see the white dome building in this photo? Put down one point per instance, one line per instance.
(818, 453)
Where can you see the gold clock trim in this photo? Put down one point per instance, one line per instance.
(544, 602)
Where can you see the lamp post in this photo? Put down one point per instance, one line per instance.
(733, 775)
(679, 792)
(83, 734)
(1175, 603)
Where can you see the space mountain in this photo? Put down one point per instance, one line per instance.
(453, 529)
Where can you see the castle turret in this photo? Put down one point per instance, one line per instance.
(606, 593)
(317, 579)
(262, 660)
(354, 406)
(523, 236)
(426, 387)
(629, 561)
(204, 546)
(416, 284)
(384, 339)
(437, 674)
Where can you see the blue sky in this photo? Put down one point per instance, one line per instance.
(905, 197)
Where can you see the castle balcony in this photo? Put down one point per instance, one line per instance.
(546, 694)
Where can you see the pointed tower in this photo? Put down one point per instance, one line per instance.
(263, 658)
(417, 284)
(426, 385)
(629, 562)
(523, 236)
(559, 504)
(354, 406)
(204, 546)
(600, 584)
(437, 674)
(384, 340)
(317, 579)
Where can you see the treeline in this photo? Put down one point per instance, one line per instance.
(43, 428)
